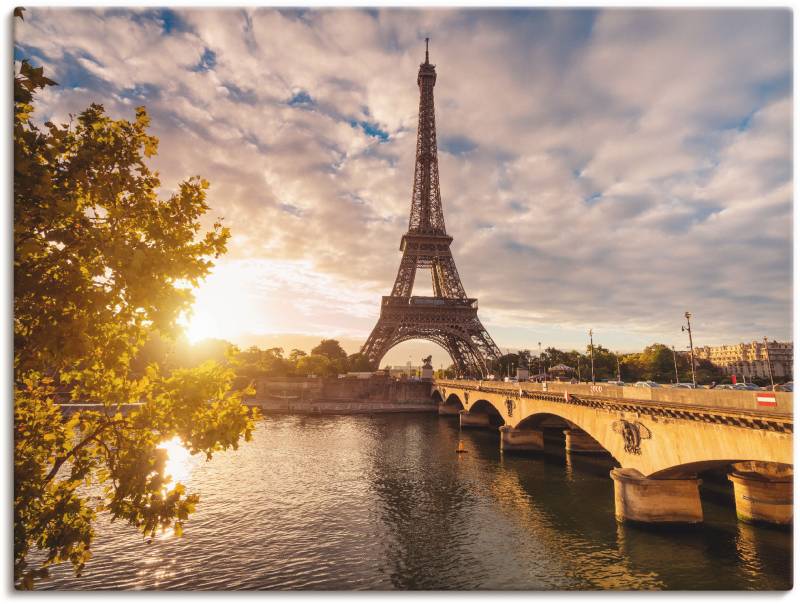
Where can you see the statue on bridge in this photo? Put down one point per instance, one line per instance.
(633, 433)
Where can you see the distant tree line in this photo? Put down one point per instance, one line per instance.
(656, 363)
(326, 359)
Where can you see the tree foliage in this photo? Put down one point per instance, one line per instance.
(656, 362)
(100, 263)
(331, 349)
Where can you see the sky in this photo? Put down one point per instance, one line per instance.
(599, 169)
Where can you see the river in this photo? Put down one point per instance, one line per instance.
(384, 502)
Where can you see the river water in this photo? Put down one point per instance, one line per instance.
(384, 502)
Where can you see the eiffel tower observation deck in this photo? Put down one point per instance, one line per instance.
(448, 317)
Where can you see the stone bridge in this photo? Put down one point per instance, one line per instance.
(660, 440)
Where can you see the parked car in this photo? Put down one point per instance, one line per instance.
(684, 385)
(745, 386)
(724, 387)
(647, 385)
(615, 383)
(787, 387)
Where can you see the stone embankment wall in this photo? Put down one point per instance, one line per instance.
(342, 395)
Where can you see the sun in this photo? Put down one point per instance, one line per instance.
(201, 325)
(223, 307)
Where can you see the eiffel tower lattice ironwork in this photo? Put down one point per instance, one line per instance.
(448, 318)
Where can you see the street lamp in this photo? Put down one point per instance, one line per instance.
(591, 352)
(688, 327)
(769, 363)
(675, 361)
(540, 358)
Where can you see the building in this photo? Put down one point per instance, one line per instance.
(404, 371)
(749, 359)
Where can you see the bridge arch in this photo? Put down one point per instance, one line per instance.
(496, 416)
(537, 421)
(575, 434)
(453, 400)
(690, 469)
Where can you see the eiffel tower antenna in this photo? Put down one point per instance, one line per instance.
(448, 318)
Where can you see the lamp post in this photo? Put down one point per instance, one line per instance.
(675, 361)
(688, 327)
(591, 353)
(540, 358)
(769, 363)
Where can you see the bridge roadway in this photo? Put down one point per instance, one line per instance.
(661, 438)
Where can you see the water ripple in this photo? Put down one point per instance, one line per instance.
(384, 502)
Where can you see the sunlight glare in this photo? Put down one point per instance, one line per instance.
(179, 461)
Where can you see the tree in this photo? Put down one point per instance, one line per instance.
(605, 363)
(358, 362)
(314, 364)
(295, 356)
(330, 349)
(100, 264)
(658, 363)
(506, 365)
(706, 372)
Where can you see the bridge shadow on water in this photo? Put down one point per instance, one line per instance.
(568, 499)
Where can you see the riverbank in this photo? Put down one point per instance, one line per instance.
(324, 396)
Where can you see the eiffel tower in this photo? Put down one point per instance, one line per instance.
(448, 318)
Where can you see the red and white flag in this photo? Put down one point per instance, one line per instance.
(766, 399)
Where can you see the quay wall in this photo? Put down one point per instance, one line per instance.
(378, 394)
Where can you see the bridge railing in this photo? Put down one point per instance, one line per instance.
(712, 399)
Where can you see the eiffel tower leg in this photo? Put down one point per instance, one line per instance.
(457, 355)
(466, 357)
(487, 350)
(379, 342)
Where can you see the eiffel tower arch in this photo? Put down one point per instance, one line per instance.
(448, 318)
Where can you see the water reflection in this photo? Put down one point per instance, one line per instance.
(179, 461)
(386, 502)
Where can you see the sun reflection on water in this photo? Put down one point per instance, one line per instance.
(177, 468)
(179, 461)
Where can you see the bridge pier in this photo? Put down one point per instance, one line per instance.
(514, 439)
(641, 499)
(763, 493)
(445, 409)
(578, 441)
(474, 420)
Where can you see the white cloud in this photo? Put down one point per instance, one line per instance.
(611, 169)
